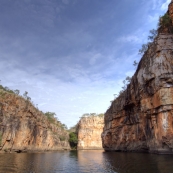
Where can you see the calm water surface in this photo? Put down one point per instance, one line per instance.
(84, 162)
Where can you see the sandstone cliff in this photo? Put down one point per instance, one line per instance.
(23, 127)
(141, 118)
(89, 132)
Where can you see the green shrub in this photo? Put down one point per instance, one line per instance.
(166, 22)
(144, 48)
(2, 94)
(62, 138)
(153, 34)
(73, 140)
(50, 116)
(101, 115)
(7, 89)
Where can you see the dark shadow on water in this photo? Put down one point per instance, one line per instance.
(73, 153)
(139, 162)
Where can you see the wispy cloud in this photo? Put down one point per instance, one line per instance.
(153, 18)
(71, 56)
(130, 38)
(164, 6)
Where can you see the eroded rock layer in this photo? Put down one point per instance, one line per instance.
(89, 132)
(141, 118)
(24, 128)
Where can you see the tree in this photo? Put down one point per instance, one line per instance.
(16, 91)
(128, 79)
(50, 116)
(121, 92)
(6, 88)
(144, 48)
(153, 35)
(124, 87)
(85, 115)
(101, 115)
(64, 126)
(115, 95)
(25, 95)
(73, 140)
(135, 63)
(29, 98)
(92, 114)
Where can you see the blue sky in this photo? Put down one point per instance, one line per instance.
(72, 55)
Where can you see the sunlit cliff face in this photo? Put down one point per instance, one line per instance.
(23, 127)
(140, 119)
(89, 133)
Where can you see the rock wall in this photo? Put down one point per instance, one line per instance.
(141, 118)
(24, 128)
(89, 132)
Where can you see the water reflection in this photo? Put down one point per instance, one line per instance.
(85, 162)
(139, 162)
(91, 161)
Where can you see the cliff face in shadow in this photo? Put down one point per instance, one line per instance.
(89, 132)
(141, 118)
(23, 127)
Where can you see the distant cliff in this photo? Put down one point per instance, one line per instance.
(141, 118)
(89, 132)
(24, 128)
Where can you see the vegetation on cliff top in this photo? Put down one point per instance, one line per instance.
(92, 115)
(73, 131)
(165, 25)
(165, 21)
(151, 37)
(51, 116)
(12, 98)
(8, 90)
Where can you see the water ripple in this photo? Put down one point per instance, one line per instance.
(85, 162)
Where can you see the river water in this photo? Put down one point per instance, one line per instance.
(85, 161)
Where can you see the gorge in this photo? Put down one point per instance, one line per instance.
(140, 119)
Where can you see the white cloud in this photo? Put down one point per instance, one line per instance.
(130, 38)
(130, 73)
(154, 3)
(137, 37)
(94, 58)
(164, 6)
(51, 59)
(153, 18)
